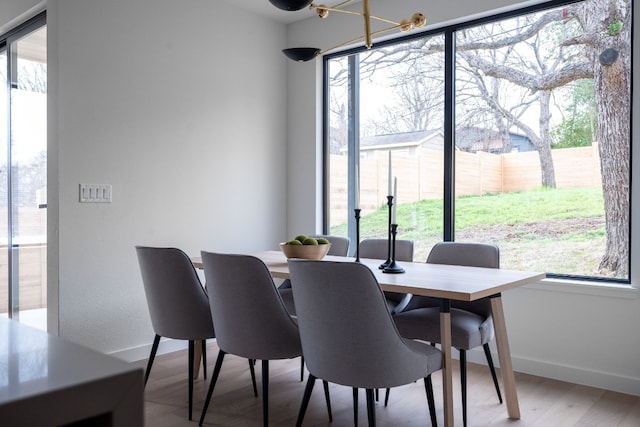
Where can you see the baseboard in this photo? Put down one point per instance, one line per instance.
(134, 354)
(540, 368)
(572, 374)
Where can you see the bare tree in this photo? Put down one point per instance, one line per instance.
(537, 65)
(30, 175)
(417, 102)
(606, 39)
(338, 100)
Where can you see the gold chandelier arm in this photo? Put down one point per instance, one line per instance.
(367, 24)
(333, 9)
(388, 21)
(351, 12)
(339, 5)
(384, 30)
(348, 42)
(336, 8)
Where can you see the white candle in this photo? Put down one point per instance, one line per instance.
(390, 193)
(357, 188)
(395, 200)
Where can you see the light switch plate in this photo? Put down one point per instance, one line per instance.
(95, 193)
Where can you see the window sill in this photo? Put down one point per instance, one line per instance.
(611, 290)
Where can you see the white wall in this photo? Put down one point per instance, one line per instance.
(180, 106)
(583, 334)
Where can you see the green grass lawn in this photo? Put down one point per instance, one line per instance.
(551, 230)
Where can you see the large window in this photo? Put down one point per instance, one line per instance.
(512, 130)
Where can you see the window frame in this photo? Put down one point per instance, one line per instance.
(449, 31)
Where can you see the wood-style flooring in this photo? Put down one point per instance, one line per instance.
(543, 402)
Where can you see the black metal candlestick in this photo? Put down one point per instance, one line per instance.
(357, 214)
(393, 268)
(390, 205)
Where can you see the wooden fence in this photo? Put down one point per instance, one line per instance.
(420, 175)
(32, 260)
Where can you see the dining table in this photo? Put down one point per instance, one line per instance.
(447, 283)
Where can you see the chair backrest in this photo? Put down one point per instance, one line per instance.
(379, 249)
(348, 336)
(178, 304)
(466, 254)
(339, 244)
(250, 317)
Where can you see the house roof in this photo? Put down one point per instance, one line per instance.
(401, 140)
(467, 138)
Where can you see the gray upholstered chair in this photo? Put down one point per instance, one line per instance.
(471, 322)
(178, 304)
(379, 249)
(339, 244)
(339, 247)
(348, 336)
(250, 317)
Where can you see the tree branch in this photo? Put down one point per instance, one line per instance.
(549, 81)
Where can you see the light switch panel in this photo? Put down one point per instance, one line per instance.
(95, 193)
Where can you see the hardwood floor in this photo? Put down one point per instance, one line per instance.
(543, 402)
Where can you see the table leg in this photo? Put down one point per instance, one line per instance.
(447, 380)
(197, 358)
(504, 355)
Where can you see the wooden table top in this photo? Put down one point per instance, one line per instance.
(434, 280)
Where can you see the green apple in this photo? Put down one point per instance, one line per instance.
(301, 237)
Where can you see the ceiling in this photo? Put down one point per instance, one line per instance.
(266, 9)
(33, 47)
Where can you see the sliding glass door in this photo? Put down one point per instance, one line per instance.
(4, 131)
(23, 174)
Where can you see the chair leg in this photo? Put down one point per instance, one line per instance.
(305, 399)
(301, 368)
(386, 396)
(487, 353)
(325, 385)
(428, 387)
(355, 407)
(463, 384)
(265, 393)
(371, 410)
(154, 349)
(253, 377)
(214, 378)
(191, 351)
(204, 358)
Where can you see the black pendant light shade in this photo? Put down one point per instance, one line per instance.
(301, 54)
(291, 4)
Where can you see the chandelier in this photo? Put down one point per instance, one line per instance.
(304, 54)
